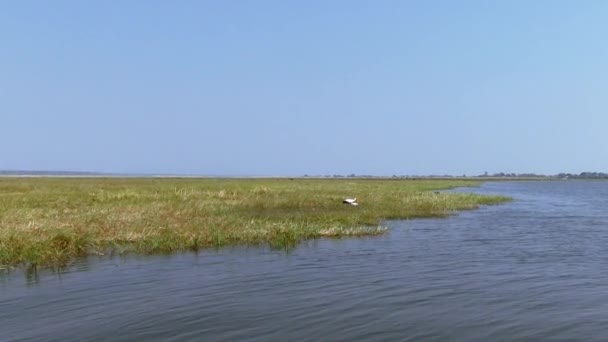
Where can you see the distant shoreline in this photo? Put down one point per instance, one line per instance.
(129, 176)
(494, 177)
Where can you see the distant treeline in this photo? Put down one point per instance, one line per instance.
(585, 175)
(582, 175)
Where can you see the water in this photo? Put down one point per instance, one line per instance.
(533, 269)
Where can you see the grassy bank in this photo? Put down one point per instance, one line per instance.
(48, 221)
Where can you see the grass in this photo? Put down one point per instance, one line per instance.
(51, 221)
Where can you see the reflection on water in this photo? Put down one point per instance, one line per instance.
(527, 270)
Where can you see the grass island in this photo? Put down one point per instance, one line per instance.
(47, 221)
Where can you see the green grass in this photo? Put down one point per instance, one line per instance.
(51, 221)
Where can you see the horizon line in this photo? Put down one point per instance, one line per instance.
(64, 173)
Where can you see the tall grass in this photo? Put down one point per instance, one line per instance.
(50, 221)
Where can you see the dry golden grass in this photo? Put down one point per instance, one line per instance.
(49, 221)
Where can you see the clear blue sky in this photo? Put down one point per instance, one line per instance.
(295, 87)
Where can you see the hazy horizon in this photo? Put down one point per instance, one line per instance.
(294, 88)
(328, 175)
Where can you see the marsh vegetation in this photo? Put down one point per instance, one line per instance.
(50, 221)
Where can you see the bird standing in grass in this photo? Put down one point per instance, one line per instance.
(351, 201)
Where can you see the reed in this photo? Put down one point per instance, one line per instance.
(51, 221)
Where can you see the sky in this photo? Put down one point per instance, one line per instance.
(304, 87)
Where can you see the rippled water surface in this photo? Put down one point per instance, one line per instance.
(533, 269)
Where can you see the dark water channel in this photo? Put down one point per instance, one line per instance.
(530, 270)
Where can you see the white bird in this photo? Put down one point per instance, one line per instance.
(351, 201)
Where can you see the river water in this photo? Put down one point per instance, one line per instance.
(533, 269)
